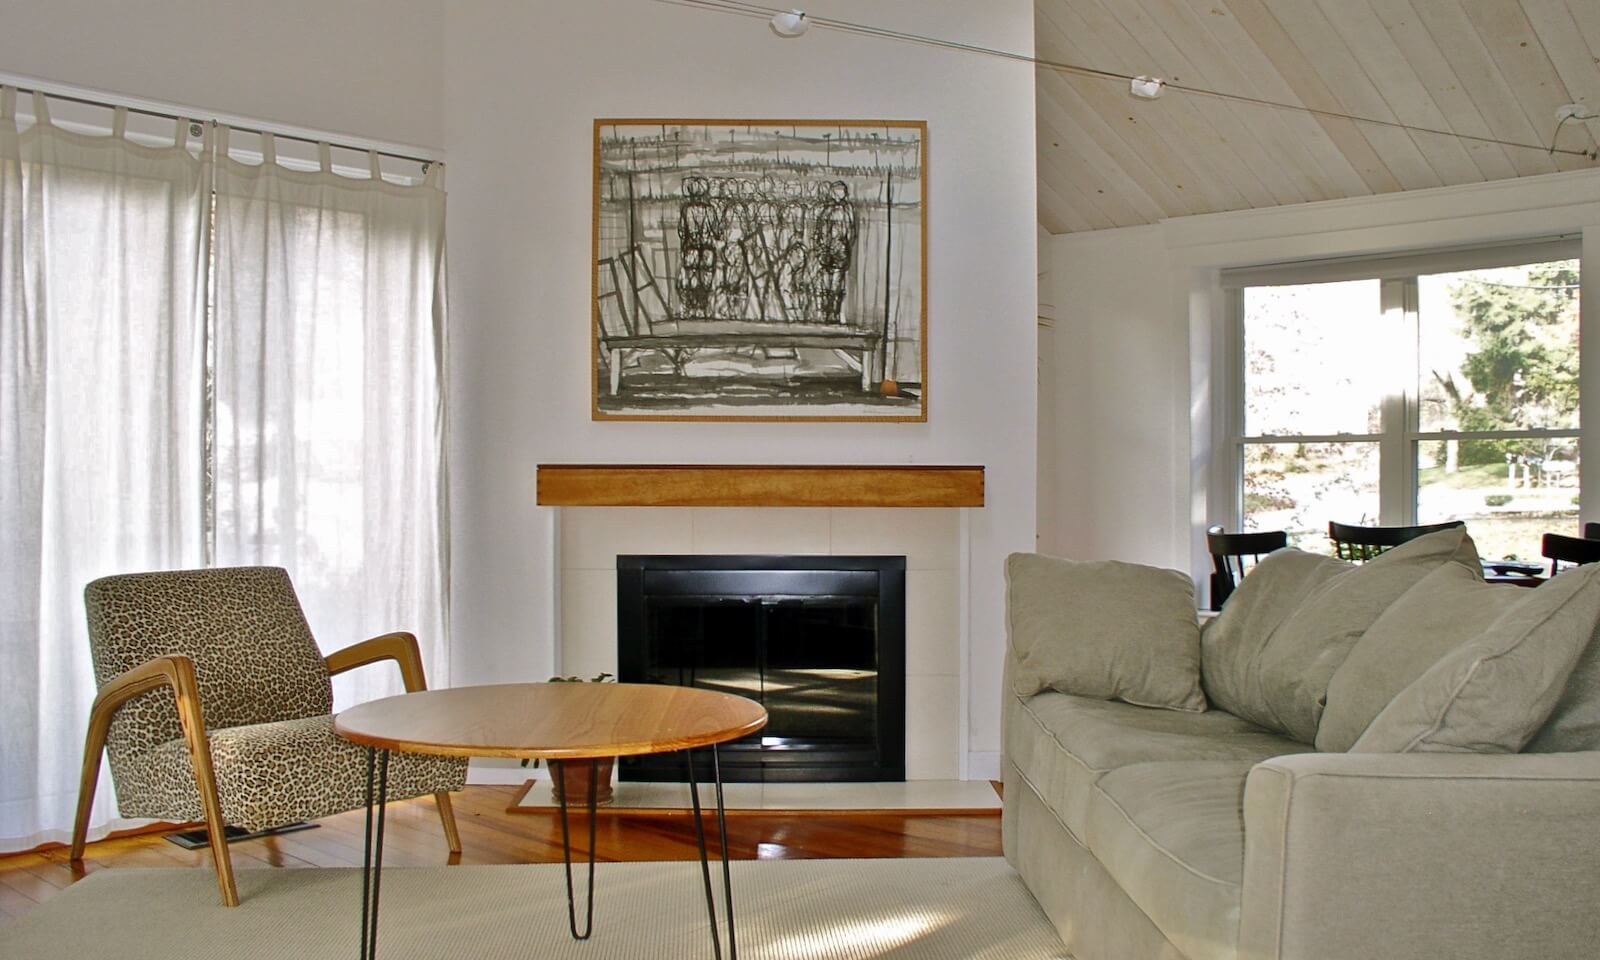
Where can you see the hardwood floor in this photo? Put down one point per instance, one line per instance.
(491, 835)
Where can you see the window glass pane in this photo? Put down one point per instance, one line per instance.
(1309, 359)
(1498, 349)
(1510, 492)
(1299, 487)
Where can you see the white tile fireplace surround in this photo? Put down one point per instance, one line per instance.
(589, 539)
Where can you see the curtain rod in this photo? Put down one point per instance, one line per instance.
(113, 104)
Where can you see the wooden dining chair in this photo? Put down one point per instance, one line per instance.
(1572, 551)
(1359, 544)
(1232, 554)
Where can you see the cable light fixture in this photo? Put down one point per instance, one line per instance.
(790, 24)
(1140, 86)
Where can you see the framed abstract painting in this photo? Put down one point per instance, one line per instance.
(760, 270)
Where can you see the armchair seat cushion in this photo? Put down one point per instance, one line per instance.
(1062, 745)
(270, 774)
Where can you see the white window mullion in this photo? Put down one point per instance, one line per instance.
(1588, 374)
(1396, 468)
(1228, 471)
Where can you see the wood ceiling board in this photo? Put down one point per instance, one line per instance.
(1244, 143)
(1056, 214)
(1587, 16)
(1059, 99)
(1094, 195)
(1110, 175)
(1356, 140)
(1573, 59)
(1266, 82)
(1330, 59)
(1476, 70)
(1176, 34)
(1072, 182)
(1211, 148)
(1525, 65)
(1457, 39)
(1416, 47)
(1109, 102)
(1398, 88)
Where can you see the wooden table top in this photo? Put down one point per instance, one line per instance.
(556, 721)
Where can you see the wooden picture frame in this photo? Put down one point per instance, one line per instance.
(759, 270)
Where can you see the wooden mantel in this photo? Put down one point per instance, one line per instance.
(773, 485)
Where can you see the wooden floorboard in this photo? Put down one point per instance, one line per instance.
(491, 834)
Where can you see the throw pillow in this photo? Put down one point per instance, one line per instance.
(1232, 642)
(1492, 693)
(1445, 609)
(1104, 629)
(1574, 725)
(1285, 681)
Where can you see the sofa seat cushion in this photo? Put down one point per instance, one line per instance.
(1172, 835)
(1062, 744)
(271, 774)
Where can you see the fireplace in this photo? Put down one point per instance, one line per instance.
(818, 640)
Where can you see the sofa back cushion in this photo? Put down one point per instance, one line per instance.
(1103, 629)
(1279, 678)
(1492, 692)
(1232, 643)
(1574, 724)
(1445, 609)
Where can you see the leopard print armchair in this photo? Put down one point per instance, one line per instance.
(228, 651)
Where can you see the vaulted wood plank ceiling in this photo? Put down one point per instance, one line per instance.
(1496, 69)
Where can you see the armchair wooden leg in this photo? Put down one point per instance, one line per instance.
(94, 746)
(447, 816)
(205, 779)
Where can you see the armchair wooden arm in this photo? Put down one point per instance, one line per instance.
(400, 647)
(175, 671)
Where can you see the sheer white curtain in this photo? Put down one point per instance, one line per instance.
(102, 308)
(328, 392)
(294, 419)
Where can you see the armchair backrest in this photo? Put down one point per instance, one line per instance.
(253, 652)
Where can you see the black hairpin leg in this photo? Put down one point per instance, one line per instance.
(557, 770)
(705, 866)
(372, 859)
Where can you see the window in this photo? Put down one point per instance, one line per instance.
(1433, 388)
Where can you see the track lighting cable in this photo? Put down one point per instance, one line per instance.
(756, 10)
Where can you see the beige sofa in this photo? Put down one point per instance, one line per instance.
(1149, 833)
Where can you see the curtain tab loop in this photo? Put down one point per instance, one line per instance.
(119, 123)
(41, 110)
(373, 170)
(224, 135)
(325, 157)
(269, 149)
(8, 103)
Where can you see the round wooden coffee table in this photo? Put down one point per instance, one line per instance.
(560, 723)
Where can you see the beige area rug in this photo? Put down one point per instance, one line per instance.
(926, 909)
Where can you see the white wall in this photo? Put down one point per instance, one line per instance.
(523, 85)
(1114, 438)
(368, 68)
(1138, 309)
(509, 89)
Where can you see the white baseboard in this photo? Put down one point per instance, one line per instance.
(983, 765)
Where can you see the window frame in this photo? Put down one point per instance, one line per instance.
(1399, 433)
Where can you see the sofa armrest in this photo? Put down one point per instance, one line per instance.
(1402, 856)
